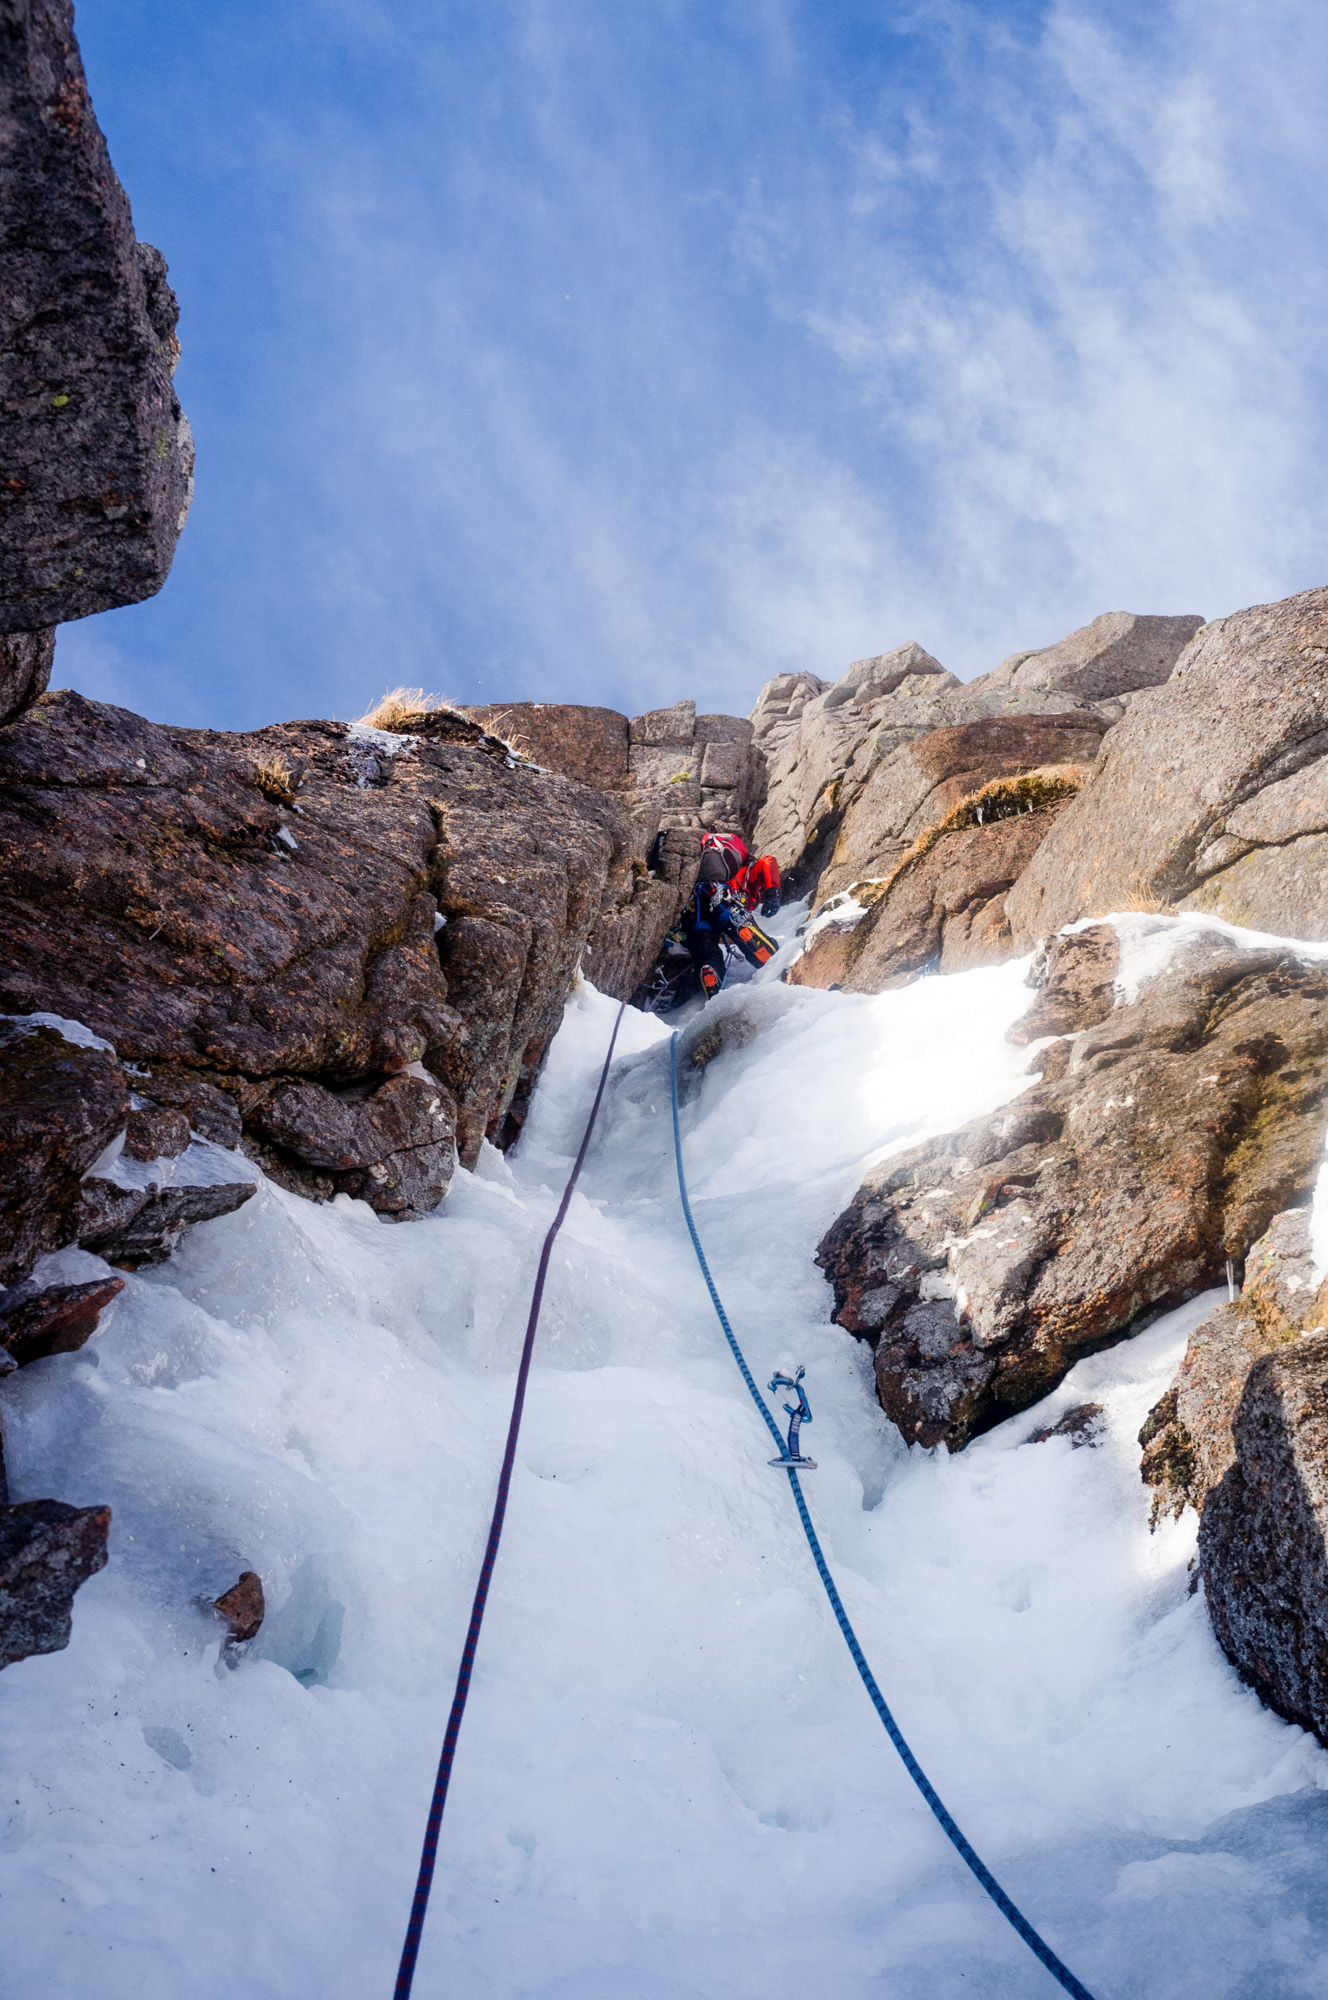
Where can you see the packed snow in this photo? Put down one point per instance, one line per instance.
(671, 1785)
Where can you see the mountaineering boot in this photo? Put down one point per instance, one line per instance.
(754, 944)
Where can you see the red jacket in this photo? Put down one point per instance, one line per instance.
(755, 881)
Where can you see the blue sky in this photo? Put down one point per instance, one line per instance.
(615, 353)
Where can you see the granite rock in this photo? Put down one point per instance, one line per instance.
(1263, 1535)
(98, 456)
(1160, 1141)
(1211, 794)
(47, 1550)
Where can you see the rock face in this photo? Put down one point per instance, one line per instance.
(935, 841)
(926, 780)
(943, 910)
(46, 1551)
(1164, 1136)
(1263, 1535)
(97, 455)
(1212, 794)
(1187, 1437)
(25, 670)
(588, 744)
(822, 743)
(675, 770)
(694, 772)
(1116, 655)
(83, 1159)
(830, 817)
(283, 955)
(60, 1107)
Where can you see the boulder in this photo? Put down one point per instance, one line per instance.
(1187, 1439)
(1212, 794)
(1084, 1426)
(1161, 1140)
(46, 1551)
(665, 728)
(141, 1221)
(1263, 1535)
(97, 454)
(243, 1608)
(393, 1145)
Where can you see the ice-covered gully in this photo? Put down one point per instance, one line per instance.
(666, 1751)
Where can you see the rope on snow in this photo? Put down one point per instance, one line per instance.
(1015, 1916)
(429, 1853)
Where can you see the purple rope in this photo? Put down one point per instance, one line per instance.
(429, 1853)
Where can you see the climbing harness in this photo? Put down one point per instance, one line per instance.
(789, 1459)
(798, 1414)
(429, 1853)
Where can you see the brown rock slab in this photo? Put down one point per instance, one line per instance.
(47, 1549)
(983, 1264)
(943, 912)
(97, 455)
(52, 1319)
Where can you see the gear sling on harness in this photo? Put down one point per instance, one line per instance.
(789, 1458)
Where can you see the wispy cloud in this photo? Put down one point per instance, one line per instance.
(617, 354)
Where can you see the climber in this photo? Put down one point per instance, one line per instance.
(759, 883)
(694, 957)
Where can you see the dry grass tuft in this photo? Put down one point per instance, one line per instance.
(1139, 901)
(275, 777)
(400, 706)
(999, 798)
(503, 726)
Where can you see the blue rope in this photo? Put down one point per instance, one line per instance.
(1036, 1944)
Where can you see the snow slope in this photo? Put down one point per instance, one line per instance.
(670, 1785)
